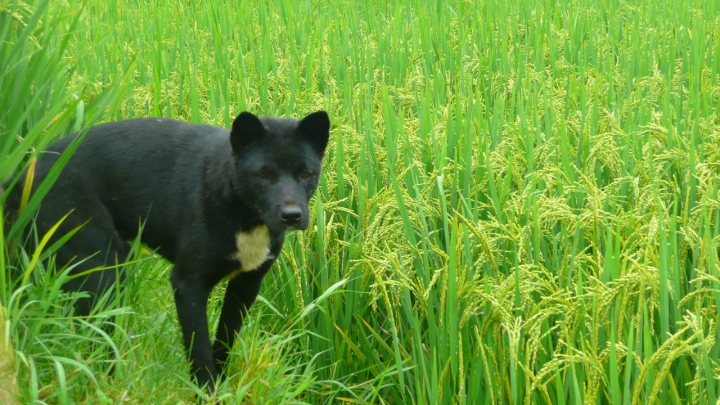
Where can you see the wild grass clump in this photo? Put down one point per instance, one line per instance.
(519, 203)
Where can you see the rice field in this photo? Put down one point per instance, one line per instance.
(519, 204)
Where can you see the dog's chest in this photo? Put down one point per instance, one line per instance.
(252, 250)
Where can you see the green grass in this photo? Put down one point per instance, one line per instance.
(519, 204)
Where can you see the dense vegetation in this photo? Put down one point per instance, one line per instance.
(519, 205)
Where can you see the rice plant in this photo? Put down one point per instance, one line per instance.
(519, 204)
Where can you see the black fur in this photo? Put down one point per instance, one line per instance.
(195, 187)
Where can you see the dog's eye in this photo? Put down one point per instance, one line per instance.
(262, 175)
(305, 174)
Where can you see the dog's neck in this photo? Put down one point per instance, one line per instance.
(220, 198)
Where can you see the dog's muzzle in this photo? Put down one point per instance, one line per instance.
(291, 216)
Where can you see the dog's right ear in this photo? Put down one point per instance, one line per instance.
(246, 129)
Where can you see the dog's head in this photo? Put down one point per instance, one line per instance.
(277, 165)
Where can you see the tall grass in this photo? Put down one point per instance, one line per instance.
(519, 204)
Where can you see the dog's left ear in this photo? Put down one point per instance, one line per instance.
(316, 128)
(246, 129)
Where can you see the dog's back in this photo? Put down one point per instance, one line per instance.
(126, 169)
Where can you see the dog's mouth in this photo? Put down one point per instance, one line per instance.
(299, 226)
(295, 228)
(279, 226)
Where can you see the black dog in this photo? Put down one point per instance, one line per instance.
(214, 202)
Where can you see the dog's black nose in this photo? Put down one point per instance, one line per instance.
(291, 215)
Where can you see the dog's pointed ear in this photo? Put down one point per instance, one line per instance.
(246, 129)
(316, 128)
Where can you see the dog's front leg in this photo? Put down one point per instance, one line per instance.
(240, 294)
(191, 296)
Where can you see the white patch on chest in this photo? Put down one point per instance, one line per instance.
(253, 249)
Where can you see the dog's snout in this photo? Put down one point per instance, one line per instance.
(291, 214)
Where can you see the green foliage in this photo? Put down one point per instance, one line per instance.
(519, 204)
